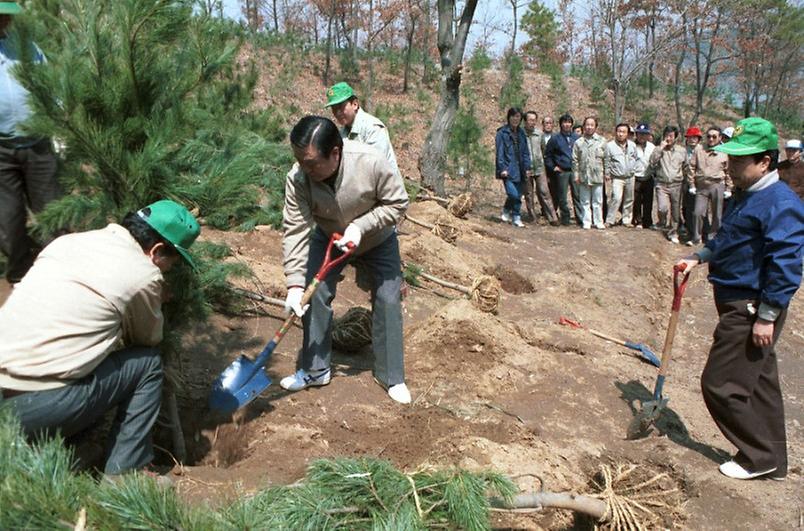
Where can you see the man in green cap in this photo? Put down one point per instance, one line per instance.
(755, 269)
(28, 164)
(80, 331)
(357, 124)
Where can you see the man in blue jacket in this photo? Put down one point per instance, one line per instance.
(558, 163)
(755, 269)
(513, 165)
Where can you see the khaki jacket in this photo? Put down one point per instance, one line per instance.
(588, 159)
(370, 130)
(709, 167)
(366, 192)
(535, 148)
(669, 166)
(87, 295)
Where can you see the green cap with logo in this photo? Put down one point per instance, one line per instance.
(339, 93)
(174, 223)
(751, 135)
(10, 8)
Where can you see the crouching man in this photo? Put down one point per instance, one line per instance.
(341, 186)
(80, 331)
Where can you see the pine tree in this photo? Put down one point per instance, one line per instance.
(152, 102)
(513, 94)
(467, 155)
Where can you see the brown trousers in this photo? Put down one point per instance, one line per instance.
(27, 180)
(740, 385)
(537, 185)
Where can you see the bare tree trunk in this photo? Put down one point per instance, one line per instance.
(369, 53)
(329, 43)
(677, 87)
(426, 40)
(451, 46)
(411, 33)
(652, 29)
(275, 13)
(514, 7)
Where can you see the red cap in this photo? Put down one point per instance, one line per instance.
(693, 131)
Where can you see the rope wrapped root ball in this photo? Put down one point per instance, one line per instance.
(485, 293)
(352, 331)
(461, 205)
(446, 230)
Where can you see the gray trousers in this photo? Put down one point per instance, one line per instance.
(668, 197)
(27, 180)
(130, 380)
(706, 194)
(383, 262)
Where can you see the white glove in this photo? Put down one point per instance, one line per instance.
(692, 190)
(726, 194)
(351, 235)
(293, 301)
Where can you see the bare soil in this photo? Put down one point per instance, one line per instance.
(514, 392)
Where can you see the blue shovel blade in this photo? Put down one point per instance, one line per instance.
(239, 384)
(647, 354)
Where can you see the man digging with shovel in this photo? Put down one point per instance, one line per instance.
(346, 187)
(755, 269)
(80, 331)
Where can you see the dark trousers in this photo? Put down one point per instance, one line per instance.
(128, 379)
(561, 183)
(384, 264)
(643, 203)
(740, 385)
(27, 180)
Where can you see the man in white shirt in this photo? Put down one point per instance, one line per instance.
(643, 178)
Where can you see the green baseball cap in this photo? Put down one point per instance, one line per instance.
(751, 135)
(174, 223)
(10, 8)
(338, 93)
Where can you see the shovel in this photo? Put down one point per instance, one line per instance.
(646, 353)
(643, 422)
(244, 380)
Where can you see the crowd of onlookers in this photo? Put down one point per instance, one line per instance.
(642, 178)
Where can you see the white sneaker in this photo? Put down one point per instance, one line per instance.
(302, 379)
(674, 239)
(733, 470)
(505, 217)
(518, 223)
(400, 393)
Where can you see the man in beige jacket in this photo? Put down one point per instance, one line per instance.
(710, 169)
(346, 187)
(669, 165)
(80, 331)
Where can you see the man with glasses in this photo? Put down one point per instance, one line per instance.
(710, 169)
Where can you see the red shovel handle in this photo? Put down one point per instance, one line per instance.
(329, 263)
(679, 287)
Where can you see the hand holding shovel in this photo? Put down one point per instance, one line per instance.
(244, 380)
